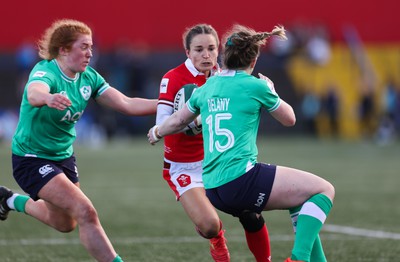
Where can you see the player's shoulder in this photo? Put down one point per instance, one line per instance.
(91, 73)
(173, 80)
(90, 70)
(254, 81)
(177, 72)
(44, 69)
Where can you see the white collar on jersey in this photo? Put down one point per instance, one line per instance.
(189, 65)
(63, 75)
(227, 72)
(191, 68)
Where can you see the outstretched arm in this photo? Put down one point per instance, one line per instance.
(133, 106)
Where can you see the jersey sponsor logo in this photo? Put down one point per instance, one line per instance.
(71, 117)
(164, 85)
(184, 180)
(260, 199)
(39, 74)
(45, 170)
(86, 92)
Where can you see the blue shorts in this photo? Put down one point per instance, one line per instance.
(249, 192)
(32, 173)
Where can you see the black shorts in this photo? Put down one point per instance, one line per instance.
(249, 192)
(32, 173)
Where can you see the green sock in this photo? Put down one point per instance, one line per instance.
(20, 203)
(317, 251)
(309, 222)
(117, 259)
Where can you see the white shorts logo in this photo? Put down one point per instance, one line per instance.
(45, 170)
(260, 199)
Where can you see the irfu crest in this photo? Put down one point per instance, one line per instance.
(86, 91)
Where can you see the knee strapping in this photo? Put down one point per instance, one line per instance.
(251, 222)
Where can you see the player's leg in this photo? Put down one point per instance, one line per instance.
(185, 180)
(204, 216)
(246, 203)
(201, 212)
(317, 251)
(294, 188)
(62, 206)
(257, 236)
(64, 202)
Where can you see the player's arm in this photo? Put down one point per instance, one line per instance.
(39, 95)
(173, 124)
(133, 106)
(164, 111)
(284, 114)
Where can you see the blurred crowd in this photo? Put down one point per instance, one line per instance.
(136, 71)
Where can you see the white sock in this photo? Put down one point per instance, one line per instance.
(10, 201)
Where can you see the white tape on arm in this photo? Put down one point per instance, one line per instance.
(154, 133)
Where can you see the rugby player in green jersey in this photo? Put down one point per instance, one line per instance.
(56, 95)
(230, 104)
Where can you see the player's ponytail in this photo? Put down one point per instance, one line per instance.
(243, 44)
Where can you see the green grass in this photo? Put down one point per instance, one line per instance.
(144, 222)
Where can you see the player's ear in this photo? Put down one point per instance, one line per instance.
(63, 51)
(187, 51)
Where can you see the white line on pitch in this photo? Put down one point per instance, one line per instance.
(352, 231)
(360, 232)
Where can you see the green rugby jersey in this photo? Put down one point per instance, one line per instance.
(230, 105)
(47, 132)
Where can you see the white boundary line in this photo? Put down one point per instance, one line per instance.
(352, 231)
(360, 232)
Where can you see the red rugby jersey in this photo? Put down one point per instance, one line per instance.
(180, 147)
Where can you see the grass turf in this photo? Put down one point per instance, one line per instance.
(144, 222)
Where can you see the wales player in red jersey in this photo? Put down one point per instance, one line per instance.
(230, 105)
(183, 154)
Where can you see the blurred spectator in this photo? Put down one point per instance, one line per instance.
(140, 67)
(282, 48)
(117, 66)
(8, 123)
(367, 108)
(390, 100)
(310, 108)
(121, 63)
(127, 67)
(331, 109)
(26, 56)
(318, 47)
(386, 132)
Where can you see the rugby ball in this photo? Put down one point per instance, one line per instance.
(181, 97)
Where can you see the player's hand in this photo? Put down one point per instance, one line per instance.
(153, 135)
(58, 101)
(197, 121)
(269, 81)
